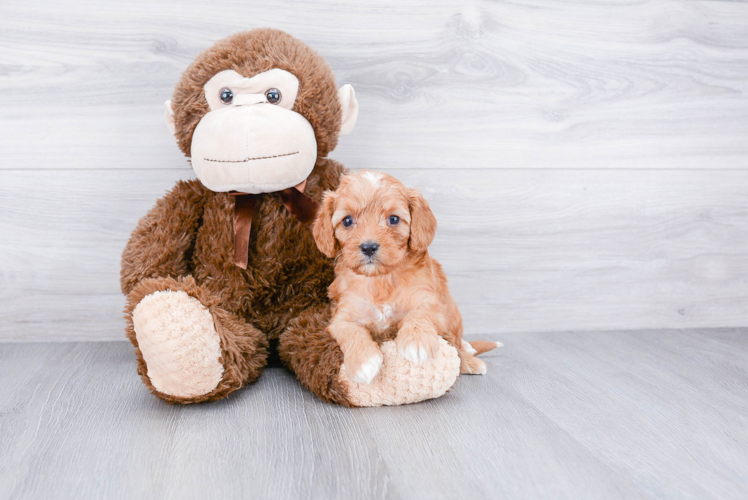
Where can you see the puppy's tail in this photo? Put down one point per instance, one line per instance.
(481, 346)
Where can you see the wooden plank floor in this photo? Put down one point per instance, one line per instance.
(568, 415)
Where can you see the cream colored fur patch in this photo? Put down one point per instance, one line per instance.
(179, 342)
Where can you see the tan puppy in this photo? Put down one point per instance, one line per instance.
(379, 231)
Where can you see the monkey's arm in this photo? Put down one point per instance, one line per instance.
(160, 244)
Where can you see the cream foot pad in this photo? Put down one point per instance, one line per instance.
(179, 342)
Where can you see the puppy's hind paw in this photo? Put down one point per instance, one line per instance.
(473, 366)
(468, 348)
(368, 370)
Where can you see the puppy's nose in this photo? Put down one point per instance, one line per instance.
(369, 248)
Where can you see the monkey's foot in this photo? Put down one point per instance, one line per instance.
(177, 337)
(401, 382)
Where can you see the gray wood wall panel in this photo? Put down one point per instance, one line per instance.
(525, 250)
(533, 84)
(587, 160)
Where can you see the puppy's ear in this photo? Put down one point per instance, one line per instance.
(324, 233)
(422, 222)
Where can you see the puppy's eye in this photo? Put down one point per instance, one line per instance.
(394, 220)
(226, 95)
(347, 221)
(273, 96)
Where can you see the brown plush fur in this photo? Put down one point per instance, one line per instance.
(314, 355)
(186, 241)
(188, 233)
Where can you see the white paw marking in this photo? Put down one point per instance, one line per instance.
(499, 344)
(480, 368)
(468, 348)
(368, 370)
(416, 355)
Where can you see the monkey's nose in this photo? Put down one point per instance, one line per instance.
(247, 99)
(369, 248)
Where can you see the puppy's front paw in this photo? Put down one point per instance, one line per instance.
(363, 364)
(417, 345)
(368, 370)
(417, 355)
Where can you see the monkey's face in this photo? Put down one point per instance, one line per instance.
(251, 140)
(255, 112)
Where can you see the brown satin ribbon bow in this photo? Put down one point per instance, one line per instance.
(299, 204)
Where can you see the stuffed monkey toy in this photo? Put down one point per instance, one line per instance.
(224, 269)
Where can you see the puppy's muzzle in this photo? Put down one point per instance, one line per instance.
(369, 248)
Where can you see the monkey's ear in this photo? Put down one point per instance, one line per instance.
(324, 233)
(169, 115)
(349, 104)
(422, 222)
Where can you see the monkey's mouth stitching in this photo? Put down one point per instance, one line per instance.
(250, 159)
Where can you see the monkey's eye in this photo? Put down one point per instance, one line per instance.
(226, 95)
(394, 220)
(347, 221)
(273, 96)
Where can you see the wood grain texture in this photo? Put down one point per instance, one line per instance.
(524, 250)
(648, 414)
(532, 84)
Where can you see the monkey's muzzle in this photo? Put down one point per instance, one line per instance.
(253, 148)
